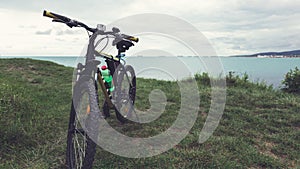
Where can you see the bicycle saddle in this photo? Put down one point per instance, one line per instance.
(124, 45)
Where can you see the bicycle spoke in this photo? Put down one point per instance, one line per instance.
(79, 144)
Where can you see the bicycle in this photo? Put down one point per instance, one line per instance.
(85, 110)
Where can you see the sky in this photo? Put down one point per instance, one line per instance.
(232, 27)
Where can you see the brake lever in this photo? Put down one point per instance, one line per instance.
(58, 20)
(70, 24)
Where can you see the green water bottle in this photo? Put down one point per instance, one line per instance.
(107, 77)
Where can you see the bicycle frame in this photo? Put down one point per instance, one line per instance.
(104, 90)
(113, 64)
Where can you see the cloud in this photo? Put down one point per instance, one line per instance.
(47, 32)
(233, 27)
(67, 32)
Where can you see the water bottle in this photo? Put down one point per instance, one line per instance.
(107, 77)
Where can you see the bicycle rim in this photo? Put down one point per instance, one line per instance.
(126, 90)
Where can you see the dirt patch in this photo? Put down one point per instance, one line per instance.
(203, 114)
(31, 67)
(14, 68)
(266, 150)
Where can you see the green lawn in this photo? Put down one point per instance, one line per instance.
(260, 127)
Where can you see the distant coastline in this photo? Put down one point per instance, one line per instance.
(278, 56)
(285, 54)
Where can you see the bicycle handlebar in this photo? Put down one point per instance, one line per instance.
(70, 22)
(56, 16)
(73, 23)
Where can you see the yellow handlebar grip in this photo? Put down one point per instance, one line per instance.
(49, 14)
(134, 39)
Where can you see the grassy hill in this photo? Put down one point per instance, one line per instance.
(260, 127)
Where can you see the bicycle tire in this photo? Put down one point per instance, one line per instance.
(88, 132)
(125, 76)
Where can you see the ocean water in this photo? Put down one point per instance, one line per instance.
(268, 70)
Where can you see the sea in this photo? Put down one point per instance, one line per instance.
(265, 70)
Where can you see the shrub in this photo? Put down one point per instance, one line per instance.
(203, 79)
(291, 81)
(236, 80)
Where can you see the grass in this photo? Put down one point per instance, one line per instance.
(259, 128)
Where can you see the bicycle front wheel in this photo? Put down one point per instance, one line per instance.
(83, 127)
(126, 91)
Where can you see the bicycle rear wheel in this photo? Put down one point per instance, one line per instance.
(126, 91)
(83, 127)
